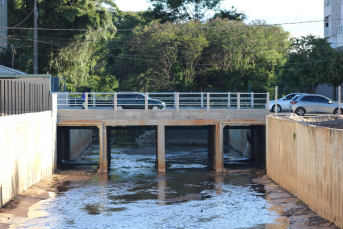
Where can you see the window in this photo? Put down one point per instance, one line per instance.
(308, 99)
(321, 99)
(289, 97)
(129, 96)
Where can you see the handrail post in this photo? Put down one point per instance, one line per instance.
(339, 101)
(115, 100)
(93, 99)
(202, 99)
(267, 106)
(252, 100)
(208, 101)
(177, 101)
(229, 99)
(146, 100)
(275, 106)
(86, 101)
(238, 100)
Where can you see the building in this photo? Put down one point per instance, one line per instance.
(3, 23)
(333, 22)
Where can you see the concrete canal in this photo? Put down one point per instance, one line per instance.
(133, 195)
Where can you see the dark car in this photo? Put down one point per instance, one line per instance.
(136, 100)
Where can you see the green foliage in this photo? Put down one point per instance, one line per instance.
(187, 57)
(183, 10)
(77, 55)
(312, 62)
(232, 14)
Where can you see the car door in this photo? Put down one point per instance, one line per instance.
(284, 103)
(309, 103)
(129, 101)
(140, 101)
(324, 105)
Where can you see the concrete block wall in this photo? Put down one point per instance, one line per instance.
(80, 139)
(308, 161)
(27, 151)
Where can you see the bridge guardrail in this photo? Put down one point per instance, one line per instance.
(173, 100)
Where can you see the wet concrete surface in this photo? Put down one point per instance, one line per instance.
(188, 195)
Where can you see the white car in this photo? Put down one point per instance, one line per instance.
(283, 103)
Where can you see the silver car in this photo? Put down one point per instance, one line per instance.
(283, 103)
(303, 104)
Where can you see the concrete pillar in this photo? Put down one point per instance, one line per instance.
(103, 168)
(160, 148)
(215, 148)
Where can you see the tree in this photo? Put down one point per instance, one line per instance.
(312, 62)
(232, 14)
(188, 57)
(73, 54)
(183, 10)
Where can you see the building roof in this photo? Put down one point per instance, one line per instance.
(10, 71)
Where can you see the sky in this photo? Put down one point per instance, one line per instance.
(272, 11)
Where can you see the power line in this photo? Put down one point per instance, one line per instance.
(153, 29)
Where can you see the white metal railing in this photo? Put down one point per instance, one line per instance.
(327, 30)
(327, 3)
(172, 100)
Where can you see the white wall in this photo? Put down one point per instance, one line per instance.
(27, 151)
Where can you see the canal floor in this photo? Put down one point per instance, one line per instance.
(134, 195)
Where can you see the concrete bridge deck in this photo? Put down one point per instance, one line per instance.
(214, 119)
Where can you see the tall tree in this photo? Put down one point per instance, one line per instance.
(312, 62)
(188, 57)
(183, 10)
(73, 54)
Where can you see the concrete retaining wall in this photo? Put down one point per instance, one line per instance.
(308, 161)
(27, 151)
(80, 139)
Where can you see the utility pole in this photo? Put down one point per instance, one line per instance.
(35, 41)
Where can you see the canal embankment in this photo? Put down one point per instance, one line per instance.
(28, 149)
(307, 160)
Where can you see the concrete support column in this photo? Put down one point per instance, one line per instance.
(215, 148)
(160, 148)
(103, 168)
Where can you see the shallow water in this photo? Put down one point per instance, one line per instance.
(133, 195)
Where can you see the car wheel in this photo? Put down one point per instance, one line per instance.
(120, 107)
(300, 111)
(155, 108)
(336, 111)
(278, 108)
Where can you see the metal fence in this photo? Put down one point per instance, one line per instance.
(20, 97)
(172, 100)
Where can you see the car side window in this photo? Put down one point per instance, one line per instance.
(321, 99)
(120, 96)
(128, 96)
(289, 97)
(308, 99)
